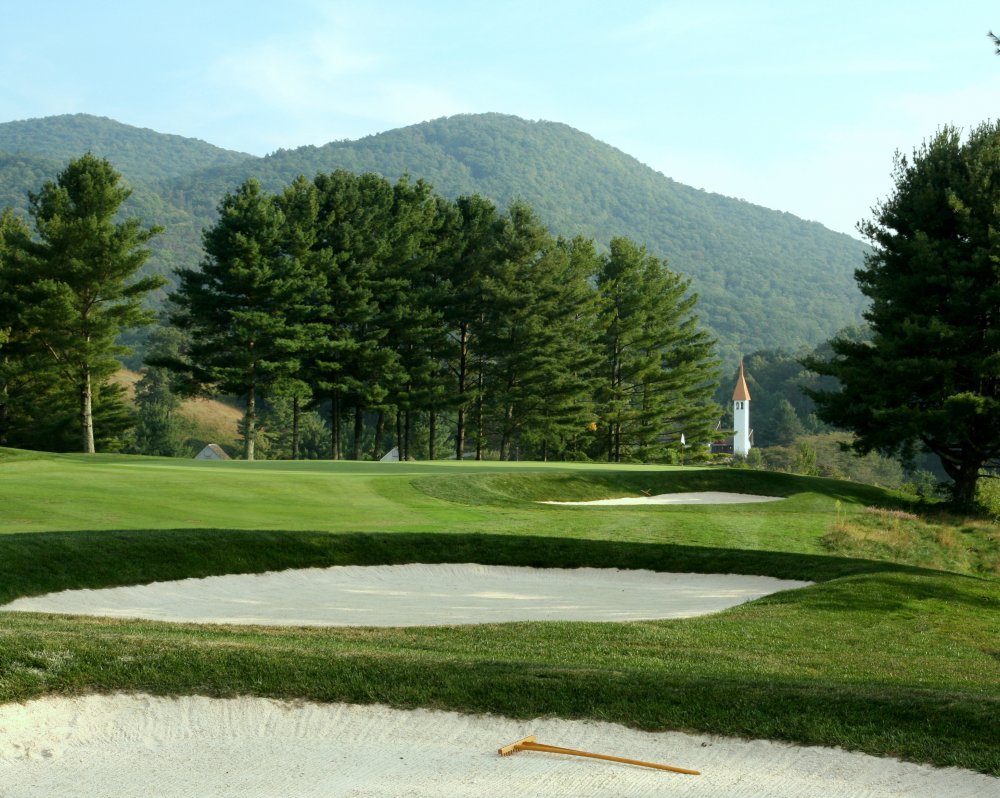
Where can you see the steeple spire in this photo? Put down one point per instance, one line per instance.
(741, 393)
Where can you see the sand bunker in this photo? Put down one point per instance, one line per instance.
(139, 745)
(417, 595)
(702, 497)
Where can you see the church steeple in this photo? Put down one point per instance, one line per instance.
(741, 415)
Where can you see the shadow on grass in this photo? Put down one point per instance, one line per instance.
(37, 563)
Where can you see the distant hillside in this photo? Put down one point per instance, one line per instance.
(767, 279)
(140, 153)
(202, 420)
(180, 243)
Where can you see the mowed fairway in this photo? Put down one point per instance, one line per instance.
(884, 658)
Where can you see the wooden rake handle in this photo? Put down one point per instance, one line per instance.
(529, 744)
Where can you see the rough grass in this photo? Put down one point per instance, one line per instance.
(934, 540)
(889, 658)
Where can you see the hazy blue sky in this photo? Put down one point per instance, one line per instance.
(793, 105)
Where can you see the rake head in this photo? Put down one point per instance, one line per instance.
(507, 750)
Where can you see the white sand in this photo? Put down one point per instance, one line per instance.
(417, 595)
(118, 746)
(702, 497)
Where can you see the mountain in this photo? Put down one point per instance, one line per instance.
(139, 153)
(766, 279)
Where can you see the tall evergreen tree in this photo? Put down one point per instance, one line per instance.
(13, 369)
(562, 408)
(929, 375)
(660, 368)
(408, 291)
(81, 288)
(349, 363)
(299, 203)
(535, 339)
(471, 244)
(240, 308)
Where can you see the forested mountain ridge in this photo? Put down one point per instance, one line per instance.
(138, 153)
(766, 279)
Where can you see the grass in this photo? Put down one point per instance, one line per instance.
(892, 652)
(941, 540)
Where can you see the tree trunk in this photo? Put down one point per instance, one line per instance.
(965, 479)
(335, 425)
(432, 423)
(295, 428)
(463, 375)
(86, 413)
(4, 412)
(406, 434)
(480, 432)
(250, 425)
(460, 436)
(359, 430)
(400, 446)
(379, 433)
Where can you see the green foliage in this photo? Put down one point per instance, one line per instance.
(366, 298)
(157, 430)
(829, 455)
(141, 154)
(767, 279)
(239, 309)
(930, 375)
(537, 339)
(75, 283)
(659, 369)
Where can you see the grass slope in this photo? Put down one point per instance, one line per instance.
(889, 658)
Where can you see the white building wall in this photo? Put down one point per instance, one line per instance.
(741, 424)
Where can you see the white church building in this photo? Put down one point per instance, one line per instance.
(743, 437)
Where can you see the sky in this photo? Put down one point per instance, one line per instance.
(796, 106)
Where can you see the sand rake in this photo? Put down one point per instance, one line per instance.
(529, 744)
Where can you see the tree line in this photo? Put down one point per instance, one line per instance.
(383, 305)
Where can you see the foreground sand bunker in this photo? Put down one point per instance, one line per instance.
(417, 595)
(140, 745)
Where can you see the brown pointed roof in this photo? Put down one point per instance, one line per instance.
(742, 393)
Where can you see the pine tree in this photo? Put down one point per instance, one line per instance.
(240, 308)
(470, 246)
(408, 289)
(928, 377)
(514, 329)
(538, 338)
(348, 362)
(660, 368)
(157, 430)
(562, 410)
(81, 289)
(13, 369)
